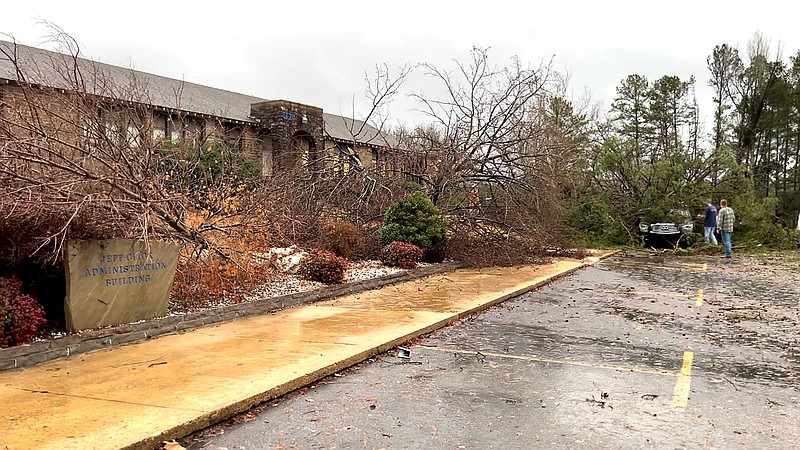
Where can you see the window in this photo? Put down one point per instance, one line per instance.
(133, 136)
(193, 130)
(174, 129)
(344, 153)
(159, 127)
(167, 128)
(110, 125)
(233, 137)
(118, 128)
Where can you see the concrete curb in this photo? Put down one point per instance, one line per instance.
(240, 406)
(39, 352)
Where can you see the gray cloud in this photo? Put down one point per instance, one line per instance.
(318, 52)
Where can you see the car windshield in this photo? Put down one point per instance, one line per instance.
(680, 212)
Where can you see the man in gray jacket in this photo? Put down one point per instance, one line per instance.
(725, 221)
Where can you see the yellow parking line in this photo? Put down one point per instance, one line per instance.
(694, 266)
(553, 361)
(699, 297)
(680, 396)
(690, 266)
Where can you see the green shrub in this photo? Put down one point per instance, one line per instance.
(323, 266)
(690, 239)
(592, 222)
(213, 173)
(756, 223)
(401, 254)
(216, 161)
(413, 219)
(343, 238)
(21, 316)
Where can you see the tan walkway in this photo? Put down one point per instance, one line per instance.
(141, 394)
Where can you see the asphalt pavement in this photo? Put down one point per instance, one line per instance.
(634, 352)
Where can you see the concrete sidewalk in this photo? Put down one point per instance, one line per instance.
(137, 396)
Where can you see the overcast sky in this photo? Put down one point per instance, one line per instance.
(317, 52)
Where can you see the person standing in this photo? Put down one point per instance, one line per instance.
(710, 222)
(725, 220)
(798, 231)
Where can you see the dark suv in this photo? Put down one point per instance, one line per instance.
(668, 229)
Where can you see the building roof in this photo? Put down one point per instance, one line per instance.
(345, 129)
(58, 70)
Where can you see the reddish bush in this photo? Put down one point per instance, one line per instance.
(343, 238)
(5, 321)
(401, 254)
(323, 266)
(21, 316)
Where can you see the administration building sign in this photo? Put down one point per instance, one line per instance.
(116, 281)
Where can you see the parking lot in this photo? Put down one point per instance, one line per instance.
(637, 351)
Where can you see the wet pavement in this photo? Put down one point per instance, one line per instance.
(635, 352)
(139, 395)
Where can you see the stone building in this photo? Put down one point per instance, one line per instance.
(278, 134)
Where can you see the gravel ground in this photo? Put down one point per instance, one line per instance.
(290, 284)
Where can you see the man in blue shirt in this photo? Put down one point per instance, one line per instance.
(710, 222)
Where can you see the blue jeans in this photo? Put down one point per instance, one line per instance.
(710, 236)
(726, 238)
